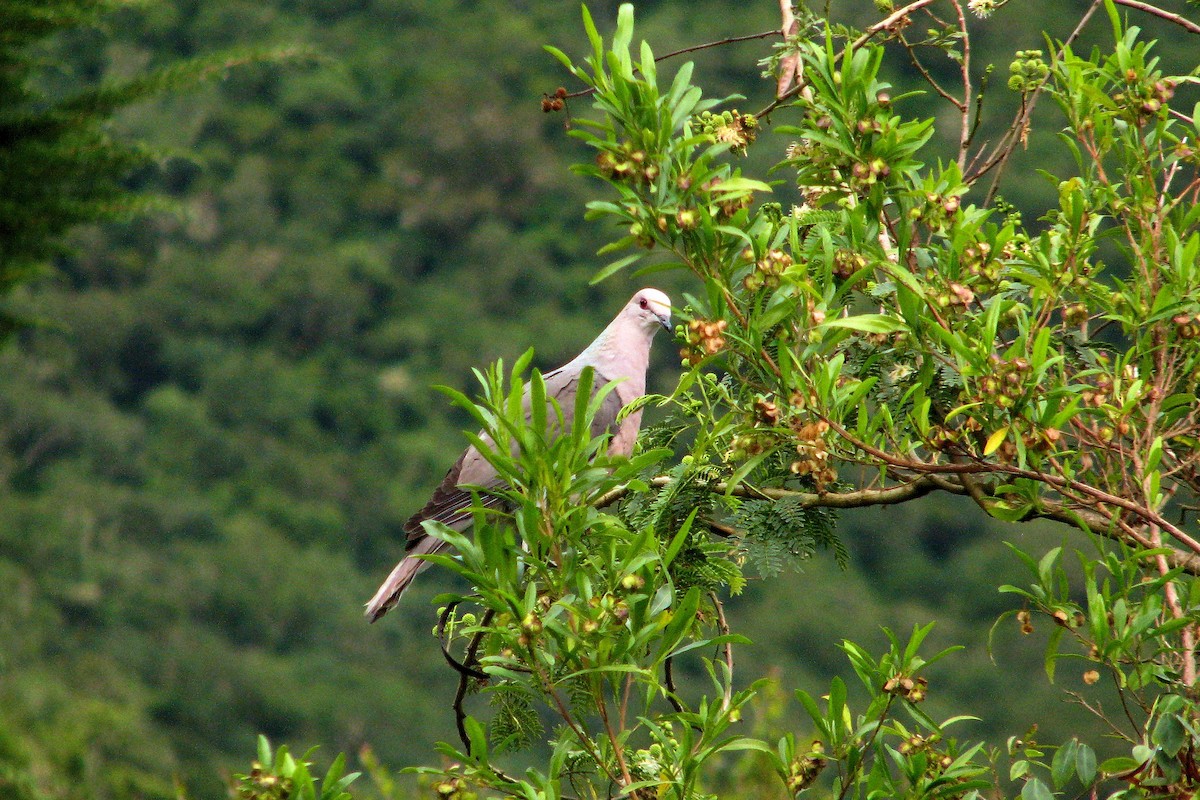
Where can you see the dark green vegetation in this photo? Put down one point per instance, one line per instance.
(209, 443)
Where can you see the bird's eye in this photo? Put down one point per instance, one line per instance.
(644, 303)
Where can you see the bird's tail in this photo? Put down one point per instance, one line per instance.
(389, 593)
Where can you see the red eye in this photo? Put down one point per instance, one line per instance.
(644, 303)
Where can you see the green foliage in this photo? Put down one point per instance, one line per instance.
(205, 461)
(889, 328)
(284, 778)
(60, 164)
(581, 615)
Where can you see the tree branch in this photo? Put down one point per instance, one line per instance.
(858, 498)
(1096, 522)
(791, 68)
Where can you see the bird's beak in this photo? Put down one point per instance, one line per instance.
(665, 321)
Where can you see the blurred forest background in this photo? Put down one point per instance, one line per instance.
(209, 440)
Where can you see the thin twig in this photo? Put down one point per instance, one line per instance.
(720, 43)
(464, 678)
(927, 76)
(723, 626)
(669, 682)
(464, 669)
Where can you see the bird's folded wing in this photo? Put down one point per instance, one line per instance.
(450, 504)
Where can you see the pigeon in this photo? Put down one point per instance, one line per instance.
(621, 353)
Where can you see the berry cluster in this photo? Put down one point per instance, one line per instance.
(556, 102)
(1187, 326)
(767, 271)
(911, 689)
(767, 411)
(263, 784)
(977, 262)
(730, 127)
(937, 210)
(804, 769)
(1028, 71)
(1144, 100)
(704, 338)
(1006, 382)
(823, 166)
(846, 263)
(870, 172)
(1075, 314)
(956, 297)
(452, 789)
(813, 452)
(627, 164)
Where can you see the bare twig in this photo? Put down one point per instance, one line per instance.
(463, 668)
(669, 682)
(890, 21)
(927, 76)
(1169, 16)
(964, 136)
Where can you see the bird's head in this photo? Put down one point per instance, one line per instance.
(651, 308)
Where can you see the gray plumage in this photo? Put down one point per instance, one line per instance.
(620, 353)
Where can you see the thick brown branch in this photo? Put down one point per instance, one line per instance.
(859, 498)
(1110, 527)
(1058, 482)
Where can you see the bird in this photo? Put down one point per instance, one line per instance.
(621, 353)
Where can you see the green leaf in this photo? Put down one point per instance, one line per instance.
(1063, 764)
(1036, 790)
(739, 185)
(682, 618)
(679, 538)
(1085, 764)
(560, 55)
(614, 268)
(867, 323)
(594, 38)
(1169, 734)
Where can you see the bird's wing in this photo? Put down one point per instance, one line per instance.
(450, 504)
